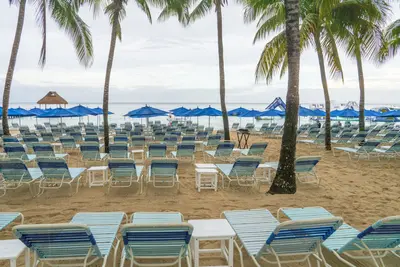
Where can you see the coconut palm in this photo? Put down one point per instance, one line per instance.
(116, 11)
(358, 26)
(315, 29)
(65, 14)
(391, 43)
(202, 9)
(285, 179)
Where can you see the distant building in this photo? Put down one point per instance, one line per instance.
(52, 98)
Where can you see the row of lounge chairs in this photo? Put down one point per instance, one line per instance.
(150, 236)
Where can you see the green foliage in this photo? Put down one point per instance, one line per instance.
(391, 43)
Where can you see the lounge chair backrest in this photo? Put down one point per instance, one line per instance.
(121, 138)
(176, 133)
(10, 139)
(245, 167)
(157, 150)
(92, 138)
(28, 140)
(77, 136)
(15, 150)
(301, 235)
(122, 168)
(214, 140)
(250, 126)
(306, 164)
(360, 137)
(90, 132)
(235, 126)
(47, 137)
(43, 150)
(164, 168)
(159, 136)
(185, 149)
(201, 135)
(138, 141)
(156, 240)
(257, 149)
(90, 151)
(189, 131)
(395, 148)
(188, 138)
(224, 149)
(369, 146)
(14, 169)
(390, 136)
(345, 137)
(170, 139)
(54, 168)
(118, 150)
(68, 141)
(58, 240)
(385, 233)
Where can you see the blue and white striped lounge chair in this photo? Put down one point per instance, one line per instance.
(163, 173)
(90, 151)
(119, 151)
(171, 141)
(10, 139)
(320, 139)
(45, 150)
(16, 174)
(88, 238)
(212, 141)
(359, 138)
(188, 138)
(185, 151)
(124, 172)
(77, 136)
(255, 150)
(392, 151)
(157, 151)
(56, 173)
(156, 236)
(201, 135)
(374, 243)
(343, 139)
(6, 218)
(68, 143)
(92, 138)
(47, 137)
(366, 150)
(223, 152)
(17, 151)
(30, 140)
(267, 240)
(138, 141)
(121, 138)
(243, 171)
(304, 169)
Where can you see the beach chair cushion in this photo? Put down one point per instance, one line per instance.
(157, 151)
(156, 217)
(6, 218)
(15, 169)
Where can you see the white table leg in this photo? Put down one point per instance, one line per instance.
(13, 263)
(196, 253)
(27, 258)
(230, 255)
(216, 181)
(90, 179)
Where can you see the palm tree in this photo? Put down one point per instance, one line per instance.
(203, 8)
(357, 25)
(65, 14)
(391, 43)
(315, 29)
(116, 10)
(285, 179)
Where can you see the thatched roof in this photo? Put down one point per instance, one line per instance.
(52, 98)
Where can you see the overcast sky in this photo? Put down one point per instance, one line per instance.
(164, 62)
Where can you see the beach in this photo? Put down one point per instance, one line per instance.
(361, 192)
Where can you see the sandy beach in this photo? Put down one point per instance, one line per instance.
(361, 192)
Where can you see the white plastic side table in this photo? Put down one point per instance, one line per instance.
(205, 166)
(215, 229)
(138, 151)
(93, 180)
(12, 249)
(206, 179)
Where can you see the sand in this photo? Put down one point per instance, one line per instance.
(359, 191)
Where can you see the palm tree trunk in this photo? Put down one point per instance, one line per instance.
(107, 86)
(221, 70)
(361, 118)
(326, 92)
(285, 179)
(11, 66)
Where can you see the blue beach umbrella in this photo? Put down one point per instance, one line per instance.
(335, 113)
(210, 112)
(83, 111)
(193, 112)
(371, 113)
(59, 113)
(271, 113)
(238, 111)
(393, 113)
(305, 112)
(37, 111)
(179, 111)
(348, 113)
(19, 113)
(146, 112)
(251, 114)
(319, 113)
(99, 111)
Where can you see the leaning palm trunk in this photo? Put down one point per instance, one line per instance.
(11, 66)
(285, 179)
(221, 70)
(361, 119)
(107, 86)
(326, 92)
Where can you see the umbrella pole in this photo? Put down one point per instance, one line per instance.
(209, 121)
(147, 122)
(197, 120)
(240, 121)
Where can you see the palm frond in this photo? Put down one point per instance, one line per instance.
(272, 58)
(142, 4)
(178, 8)
(332, 54)
(270, 23)
(94, 5)
(41, 17)
(65, 15)
(391, 43)
(116, 13)
(256, 8)
(202, 9)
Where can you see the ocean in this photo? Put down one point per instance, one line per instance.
(119, 109)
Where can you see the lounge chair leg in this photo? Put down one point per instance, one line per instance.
(277, 257)
(122, 259)
(343, 260)
(240, 252)
(115, 253)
